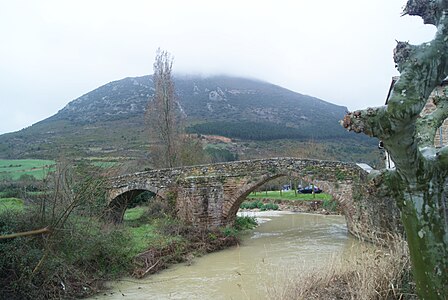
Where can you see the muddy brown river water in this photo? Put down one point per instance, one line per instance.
(284, 243)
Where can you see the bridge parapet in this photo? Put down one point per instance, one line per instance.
(327, 169)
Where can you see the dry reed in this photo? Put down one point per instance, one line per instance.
(372, 272)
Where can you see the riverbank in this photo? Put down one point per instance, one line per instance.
(323, 207)
(185, 243)
(282, 241)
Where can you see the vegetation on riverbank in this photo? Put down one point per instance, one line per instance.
(374, 273)
(289, 195)
(55, 244)
(289, 200)
(159, 240)
(69, 249)
(258, 204)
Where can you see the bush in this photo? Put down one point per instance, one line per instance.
(330, 205)
(67, 263)
(144, 197)
(258, 204)
(246, 222)
(269, 206)
(229, 231)
(79, 252)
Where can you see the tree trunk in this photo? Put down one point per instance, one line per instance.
(427, 242)
(419, 182)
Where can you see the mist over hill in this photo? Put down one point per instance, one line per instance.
(110, 119)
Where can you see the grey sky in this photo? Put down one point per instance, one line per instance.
(52, 52)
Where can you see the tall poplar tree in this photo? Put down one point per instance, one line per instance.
(161, 113)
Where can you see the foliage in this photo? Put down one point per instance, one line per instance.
(191, 151)
(11, 204)
(288, 195)
(330, 205)
(241, 224)
(140, 199)
(79, 250)
(229, 231)
(218, 154)
(245, 223)
(258, 204)
(65, 264)
(269, 206)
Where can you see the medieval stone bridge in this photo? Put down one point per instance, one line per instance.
(209, 196)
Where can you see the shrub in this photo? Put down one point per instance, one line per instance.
(246, 222)
(330, 205)
(258, 204)
(66, 263)
(245, 205)
(269, 206)
(229, 231)
(144, 197)
(157, 208)
(79, 251)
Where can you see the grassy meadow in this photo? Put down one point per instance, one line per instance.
(11, 204)
(14, 168)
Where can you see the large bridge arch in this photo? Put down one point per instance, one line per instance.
(341, 191)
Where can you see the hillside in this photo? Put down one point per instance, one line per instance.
(109, 121)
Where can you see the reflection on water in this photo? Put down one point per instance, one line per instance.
(243, 272)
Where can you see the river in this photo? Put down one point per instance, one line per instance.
(284, 243)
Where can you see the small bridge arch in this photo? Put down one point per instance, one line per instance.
(127, 187)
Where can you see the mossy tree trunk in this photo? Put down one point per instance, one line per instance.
(419, 181)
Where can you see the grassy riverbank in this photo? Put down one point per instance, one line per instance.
(159, 240)
(76, 255)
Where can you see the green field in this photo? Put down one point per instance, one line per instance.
(14, 168)
(288, 195)
(11, 204)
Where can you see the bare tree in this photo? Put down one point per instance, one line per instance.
(419, 182)
(161, 113)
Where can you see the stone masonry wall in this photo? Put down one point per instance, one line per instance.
(375, 213)
(441, 137)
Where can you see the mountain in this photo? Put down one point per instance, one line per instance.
(109, 121)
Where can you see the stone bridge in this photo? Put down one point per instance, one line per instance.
(209, 196)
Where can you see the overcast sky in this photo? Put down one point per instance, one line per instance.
(52, 52)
